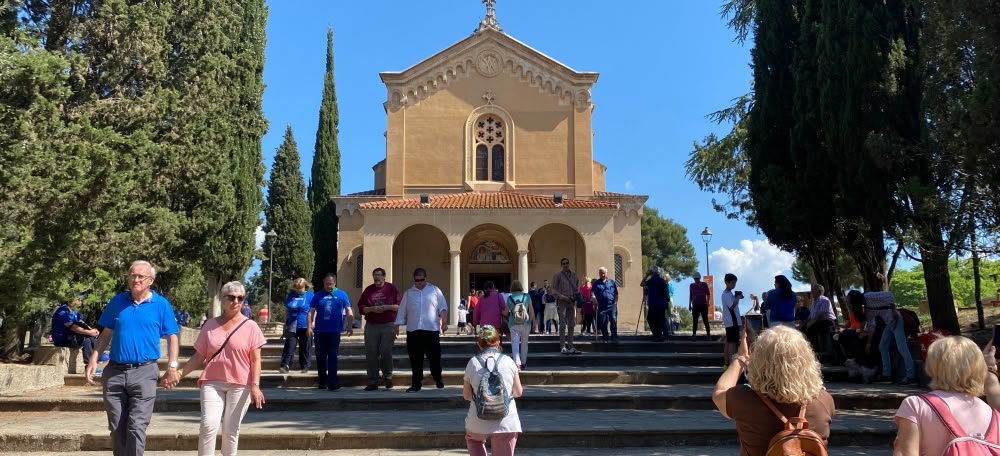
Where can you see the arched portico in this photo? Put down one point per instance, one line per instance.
(551, 243)
(489, 253)
(422, 246)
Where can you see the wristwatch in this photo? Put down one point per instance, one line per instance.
(173, 364)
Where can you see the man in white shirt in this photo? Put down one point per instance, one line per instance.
(423, 311)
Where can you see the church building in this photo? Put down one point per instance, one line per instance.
(489, 175)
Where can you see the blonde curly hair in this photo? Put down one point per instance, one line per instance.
(783, 366)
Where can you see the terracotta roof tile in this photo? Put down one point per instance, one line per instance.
(376, 192)
(491, 200)
(611, 194)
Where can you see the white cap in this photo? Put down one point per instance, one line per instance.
(696, 275)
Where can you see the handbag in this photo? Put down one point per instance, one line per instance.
(227, 341)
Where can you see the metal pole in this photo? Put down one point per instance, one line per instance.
(708, 270)
(270, 280)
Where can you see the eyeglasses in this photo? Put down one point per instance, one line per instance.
(419, 280)
(139, 277)
(239, 298)
(565, 264)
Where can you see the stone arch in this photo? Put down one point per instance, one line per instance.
(425, 246)
(489, 252)
(620, 266)
(552, 242)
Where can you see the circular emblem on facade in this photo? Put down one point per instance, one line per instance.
(489, 63)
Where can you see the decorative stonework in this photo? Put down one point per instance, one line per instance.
(489, 62)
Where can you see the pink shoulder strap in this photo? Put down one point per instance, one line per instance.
(944, 414)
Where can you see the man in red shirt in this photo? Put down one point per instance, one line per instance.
(379, 304)
(698, 304)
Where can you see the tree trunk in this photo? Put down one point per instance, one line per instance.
(977, 279)
(12, 335)
(213, 285)
(938, 281)
(870, 255)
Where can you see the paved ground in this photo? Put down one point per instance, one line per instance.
(678, 451)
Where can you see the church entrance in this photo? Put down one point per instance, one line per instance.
(500, 280)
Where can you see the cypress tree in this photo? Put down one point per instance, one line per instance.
(288, 215)
(325, 179)
(245, 127)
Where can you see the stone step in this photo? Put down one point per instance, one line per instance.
(564, 375)
(427, 429)
(621, 451)
(539, 360)
(591, 397)
(357, 347)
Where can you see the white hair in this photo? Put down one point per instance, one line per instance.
(602, 269)
(152, 270)
(233, 286)
(819, 288)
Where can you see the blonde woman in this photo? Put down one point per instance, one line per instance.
(502, 433)
(230, 378)
(958, 374)
(782, 368)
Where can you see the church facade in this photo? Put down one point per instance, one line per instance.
(489, 176)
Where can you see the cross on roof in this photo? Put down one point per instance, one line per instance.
(490, 21)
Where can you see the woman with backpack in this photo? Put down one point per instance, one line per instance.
(519, 320)
(491, 385)
(929, 423)
(786, 379)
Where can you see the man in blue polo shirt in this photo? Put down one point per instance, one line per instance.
(134, 321)
(327, 312)
(68, 330)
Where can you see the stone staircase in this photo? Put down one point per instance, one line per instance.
(638, 395)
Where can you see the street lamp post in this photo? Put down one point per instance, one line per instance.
(706, 236)
(270, 276)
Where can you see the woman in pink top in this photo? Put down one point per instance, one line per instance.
(489, 309)
(958, 372)
(231, 376)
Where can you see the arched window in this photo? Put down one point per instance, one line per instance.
(619, 271)
(491, 144)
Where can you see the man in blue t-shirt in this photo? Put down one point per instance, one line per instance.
(68, 330)
(327, 311)
(134, 321)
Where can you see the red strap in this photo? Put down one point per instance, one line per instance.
(944, 414)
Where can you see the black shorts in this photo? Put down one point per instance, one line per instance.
(733, 334)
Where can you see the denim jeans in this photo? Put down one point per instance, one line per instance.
(608, 316)
(894, 331)
(327, 347)
(304, 343)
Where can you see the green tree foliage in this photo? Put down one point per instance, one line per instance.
(665, 244)
(720, 165)
(288, 215)
(118, 141)
(325, 181)
(909, 288)
(233, 245)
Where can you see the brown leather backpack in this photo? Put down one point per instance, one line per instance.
(796, 439)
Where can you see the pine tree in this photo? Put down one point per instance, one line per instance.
(325, 180)
(287, 214)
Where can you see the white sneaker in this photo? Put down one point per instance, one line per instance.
(564, 351)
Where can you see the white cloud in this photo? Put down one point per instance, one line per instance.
(629, 186)
(755, 263)
(258, 236)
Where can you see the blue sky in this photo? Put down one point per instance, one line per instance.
(664, 65)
